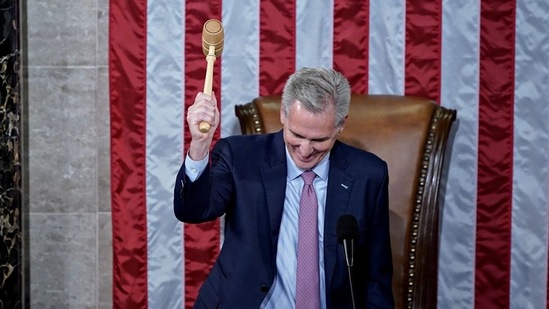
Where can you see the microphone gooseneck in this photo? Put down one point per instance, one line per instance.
(347, 234)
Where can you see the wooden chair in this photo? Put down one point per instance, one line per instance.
(410, 134)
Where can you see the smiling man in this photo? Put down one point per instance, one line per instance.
(281, 195)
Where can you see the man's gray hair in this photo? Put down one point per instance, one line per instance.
(316, 89)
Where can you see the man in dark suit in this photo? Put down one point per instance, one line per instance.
(255, 182)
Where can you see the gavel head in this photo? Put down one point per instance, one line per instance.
(212, 35)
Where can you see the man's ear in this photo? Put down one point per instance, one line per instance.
(342, 125)
(282, 117)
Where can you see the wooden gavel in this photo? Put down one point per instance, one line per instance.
(212, 46)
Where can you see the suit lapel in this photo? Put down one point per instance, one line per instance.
(273, 174)
(339, 190)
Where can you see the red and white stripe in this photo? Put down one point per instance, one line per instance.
(489, 59)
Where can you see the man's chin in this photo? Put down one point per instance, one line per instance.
(305, 165)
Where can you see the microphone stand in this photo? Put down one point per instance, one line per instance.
(349, 267)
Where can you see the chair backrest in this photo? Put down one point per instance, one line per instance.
(410, 134)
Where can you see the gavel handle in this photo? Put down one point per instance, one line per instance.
(204, 127)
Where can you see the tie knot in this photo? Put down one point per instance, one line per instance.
(308, 177)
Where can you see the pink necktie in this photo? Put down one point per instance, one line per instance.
(308, 285)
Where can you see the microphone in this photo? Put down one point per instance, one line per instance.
(347, 234)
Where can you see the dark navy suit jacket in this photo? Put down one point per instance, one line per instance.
(246, 181)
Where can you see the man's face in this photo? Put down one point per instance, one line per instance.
(309, 137)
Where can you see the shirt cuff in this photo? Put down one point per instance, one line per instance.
(193, 169)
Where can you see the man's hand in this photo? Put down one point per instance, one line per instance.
(204, 109)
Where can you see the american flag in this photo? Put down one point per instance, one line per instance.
(488, 59)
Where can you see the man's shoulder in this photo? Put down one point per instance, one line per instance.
(356, 153)
(252, 149)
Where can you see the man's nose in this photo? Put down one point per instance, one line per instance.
(306, 148)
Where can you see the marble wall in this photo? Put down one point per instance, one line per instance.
(66, 101)
(12, 248)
